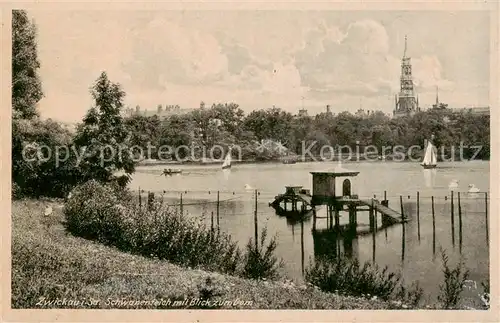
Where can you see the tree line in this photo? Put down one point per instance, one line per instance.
(226, 124)
(223, 124)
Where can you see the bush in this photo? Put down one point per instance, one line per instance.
(94, 212)
(346, 276)
(260, 261)
(102, 212)
(454, 280)
(485, 296)
(33, 175)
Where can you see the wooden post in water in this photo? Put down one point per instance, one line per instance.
(337, 220)
(212, 222)
(459, 222)
(302, 244)
(372, 229)
(371, 218)
(314, 218)
(352, 218)
(151, 198)
(433, 227)
(218, 202)
(486, 215)
(328, 216)
(402, 208)
(255, 224)
(182, 207)
(403, 242)
(418, 215)
(331, 217)
(452, 220)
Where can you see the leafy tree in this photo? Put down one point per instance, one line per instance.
(44, 168)
(103, 135)
(26, 84)
(144, 130)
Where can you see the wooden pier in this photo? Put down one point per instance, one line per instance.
(333, 189)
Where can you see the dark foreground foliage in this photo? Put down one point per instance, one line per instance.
(97, 211)
(260, 260)
(348, 277)
(454, 281)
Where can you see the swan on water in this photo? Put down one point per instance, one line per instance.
(48, 211)
(248, 187)
(453, 184)
(473, 188)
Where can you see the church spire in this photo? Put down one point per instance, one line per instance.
(404, 53)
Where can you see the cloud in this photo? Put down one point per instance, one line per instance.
(164, 51)
(427, 72)
(359, 62)
(257, 59)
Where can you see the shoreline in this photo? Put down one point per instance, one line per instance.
(274, 161)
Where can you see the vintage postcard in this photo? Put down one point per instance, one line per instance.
(242, 161)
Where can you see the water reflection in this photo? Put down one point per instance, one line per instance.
(226, 173)
(430, 177)
(329, 244)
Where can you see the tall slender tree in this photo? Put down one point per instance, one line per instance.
(103, 134)
(26, 84)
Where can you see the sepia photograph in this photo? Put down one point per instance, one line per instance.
(193, 160)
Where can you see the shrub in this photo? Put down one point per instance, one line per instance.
(485, 296)
(260, 260)
(94, 212)
(454, 280)
(347, 276)
(411, 296)
(36, 175)
(102, 212)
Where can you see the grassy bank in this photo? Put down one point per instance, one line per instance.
(50, 264)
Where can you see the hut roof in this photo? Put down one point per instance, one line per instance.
(338, 171)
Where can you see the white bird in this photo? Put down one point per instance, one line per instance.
(453, 184)
(473, 188)
(248, 187)
(48, 211)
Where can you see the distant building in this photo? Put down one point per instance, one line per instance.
(161, 112)
(477, 110)
(363, 113)
(406, 103)
(439, 105)
(302, 112)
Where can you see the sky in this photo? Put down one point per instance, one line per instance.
(259, 59)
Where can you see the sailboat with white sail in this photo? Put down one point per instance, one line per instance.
(227, 161)
(430, 157)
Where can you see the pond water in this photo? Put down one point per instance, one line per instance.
(416, 259)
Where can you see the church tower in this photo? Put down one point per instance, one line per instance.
(406, 103)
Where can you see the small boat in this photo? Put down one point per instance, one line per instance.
(430, 158)
(169, 171)
(227, 161)
(289, 161)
